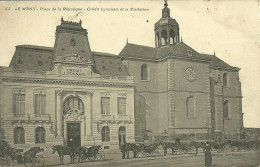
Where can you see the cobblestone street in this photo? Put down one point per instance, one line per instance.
(236, 159)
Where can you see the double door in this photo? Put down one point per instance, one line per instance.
(73, 135)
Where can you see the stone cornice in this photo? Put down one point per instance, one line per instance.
(180, 58)
(191, 128)
(173, 90)
(166, 58)
(66, 82)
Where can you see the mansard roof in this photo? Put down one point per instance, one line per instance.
(180, 50)
(40, 58)
(109, 64)
(34, 58)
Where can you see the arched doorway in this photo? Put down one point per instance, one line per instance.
(121, 135)
(72, 108)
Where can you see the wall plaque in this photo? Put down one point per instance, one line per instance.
(74, 71)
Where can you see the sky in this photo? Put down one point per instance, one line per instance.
(230, 28)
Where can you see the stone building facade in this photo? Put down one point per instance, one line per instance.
(180, 92)
(66, 94)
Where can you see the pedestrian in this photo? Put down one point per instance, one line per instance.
(208, 158)
(123, 149)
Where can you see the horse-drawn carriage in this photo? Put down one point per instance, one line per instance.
(79, 154)
(140, 149)
(93, 153)
(31, 157)
(10, 156)
(161, 147)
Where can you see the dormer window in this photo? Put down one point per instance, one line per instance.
(189, 52)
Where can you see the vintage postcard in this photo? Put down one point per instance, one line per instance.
(129, 83)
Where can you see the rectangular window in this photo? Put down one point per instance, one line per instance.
(40, 104)
(19, 104)
(105, 105)
(121, 106)
(225, 109)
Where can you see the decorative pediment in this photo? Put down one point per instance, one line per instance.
(19, 91)
(122, 95)
(105, 94)
(39, 91)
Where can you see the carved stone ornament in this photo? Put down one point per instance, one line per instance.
(73, 115)
(59, 92)
(75, 58)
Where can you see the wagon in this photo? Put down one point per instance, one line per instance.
(7, 154)
(30, 158)
(10, 156)
(93, 153)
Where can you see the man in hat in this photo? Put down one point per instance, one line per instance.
(208, 158)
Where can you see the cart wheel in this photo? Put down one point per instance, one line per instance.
(84, 158)
(38, 160)
(12, 162)
(28, 163)
(92, 158)
(101, 155)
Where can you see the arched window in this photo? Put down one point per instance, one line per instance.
(225, 79)
(157, 39)
(164, 38)
(225, 109)
(144, 72)
(73, 103)
(105, 134)
(190, 107)
(40, 135)
(19, 135)
(172, 37)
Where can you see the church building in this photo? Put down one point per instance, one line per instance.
(180, 92)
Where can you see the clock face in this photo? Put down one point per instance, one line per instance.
(190, 74)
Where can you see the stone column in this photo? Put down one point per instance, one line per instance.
(59, 114)
(90, 115)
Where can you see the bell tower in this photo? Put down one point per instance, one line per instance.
(166, 29)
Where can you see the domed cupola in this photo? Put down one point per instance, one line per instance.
(166, 29)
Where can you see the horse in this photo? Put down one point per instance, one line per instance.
(61, 150)
(198, 145)
(219, 146)
(235, 143)
(167, 145)
(136, 148)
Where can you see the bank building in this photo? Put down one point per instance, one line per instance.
(71, 95)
